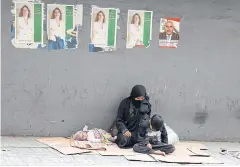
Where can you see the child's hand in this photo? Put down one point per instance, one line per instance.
(149, 146)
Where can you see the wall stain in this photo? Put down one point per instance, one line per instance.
(232, 103)
(69, 94)
(221, 17)
(37, 94)
(201, 115)
(237, 113)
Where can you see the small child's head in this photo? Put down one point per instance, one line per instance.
(80, 136)
(157, 123)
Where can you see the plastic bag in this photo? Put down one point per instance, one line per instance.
(85, 128)
(172, 136)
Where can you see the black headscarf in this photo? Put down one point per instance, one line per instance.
(137, 91)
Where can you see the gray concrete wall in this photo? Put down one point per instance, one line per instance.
(196, 87)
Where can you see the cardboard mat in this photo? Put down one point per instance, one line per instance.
(62, 145)
(192, 144)
(185, 159)
(114, 150)
(183, 155)
(140, 157)
(195, 151)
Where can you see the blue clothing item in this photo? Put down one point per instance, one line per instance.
(55, 45)
(91, 47)
(12, 31)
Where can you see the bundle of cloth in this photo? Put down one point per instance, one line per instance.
(93, 139)
(94, 135)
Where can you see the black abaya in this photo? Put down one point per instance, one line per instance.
(130, 115)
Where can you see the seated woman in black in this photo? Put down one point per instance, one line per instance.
(131, 110)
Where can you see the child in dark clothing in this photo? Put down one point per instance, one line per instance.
(157, 133)
(155, 138)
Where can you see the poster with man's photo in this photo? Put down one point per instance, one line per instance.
(103, 29)
(62, 26)
(27, 28)
(169, 32)
(139, 28)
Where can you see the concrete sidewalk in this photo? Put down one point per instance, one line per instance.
(27, 151)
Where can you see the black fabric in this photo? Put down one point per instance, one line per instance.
(164, 135)
(127, 117)
(98, 49)
(167, 148)
(135, 121)
(113, 129)
(126, 142)
(142, 147)
(143, 128)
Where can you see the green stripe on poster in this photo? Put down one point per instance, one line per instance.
(147, 28)
(38, 23)
(69, 20)
(112, 27)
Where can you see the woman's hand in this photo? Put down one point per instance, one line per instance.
(128, 134)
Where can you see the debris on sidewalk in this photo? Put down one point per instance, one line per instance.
(233, 153)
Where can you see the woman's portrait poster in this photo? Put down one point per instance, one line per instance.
(61, 28)
(103, 29)
(28, 27)
(139, 28)
(169, 32)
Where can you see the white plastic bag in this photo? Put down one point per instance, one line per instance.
(172, 136)
(85, 128)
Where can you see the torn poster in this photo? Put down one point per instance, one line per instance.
(103, 29)
(169, 32)
(139, 28)
(27, 28)
(62, 26)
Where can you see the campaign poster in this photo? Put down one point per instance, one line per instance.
(27, 28)
(139, 28)
(169, 32)
(62, 26)
(103, 29)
